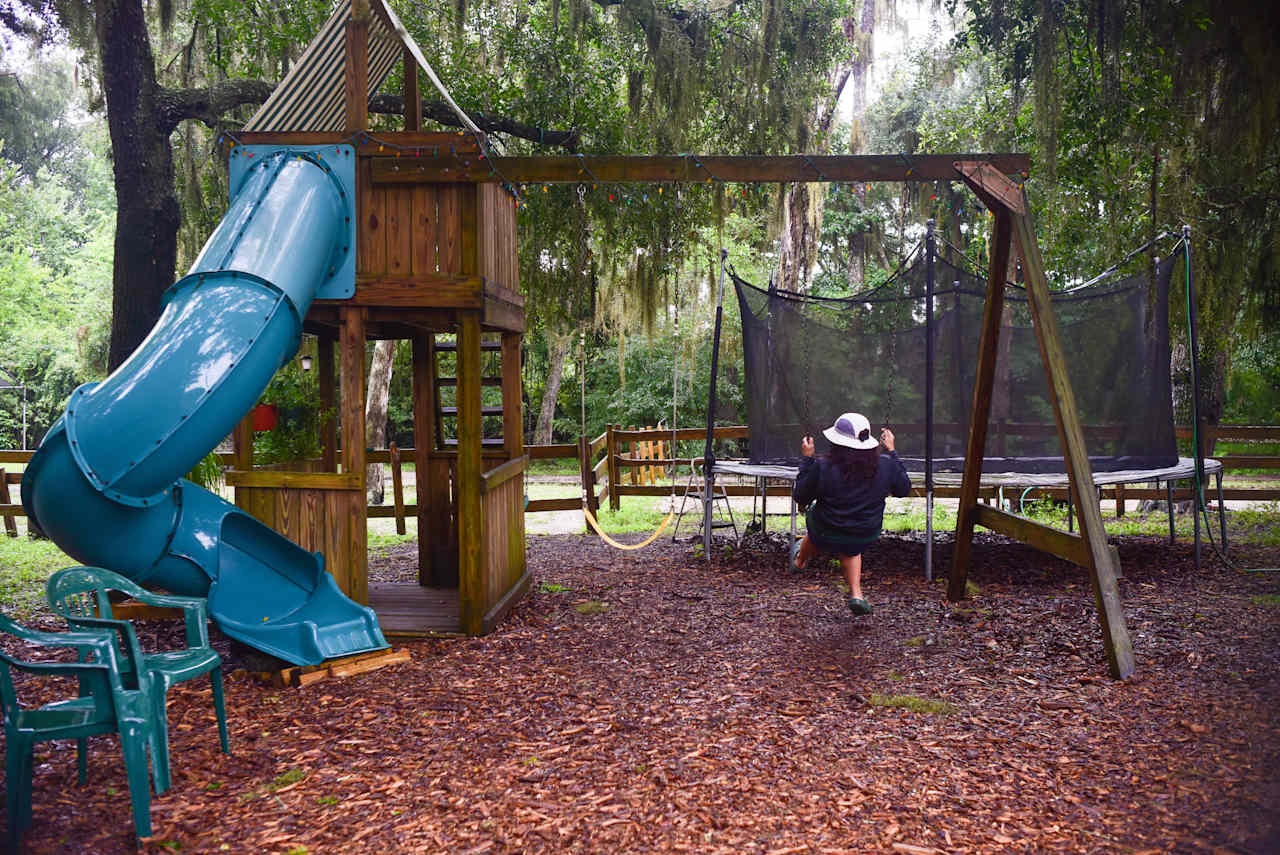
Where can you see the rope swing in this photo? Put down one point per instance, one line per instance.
(671, 515)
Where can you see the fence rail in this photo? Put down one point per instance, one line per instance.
(627, 461)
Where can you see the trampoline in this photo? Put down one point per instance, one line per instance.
(904, 354)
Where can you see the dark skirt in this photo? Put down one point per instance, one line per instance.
(834, 540)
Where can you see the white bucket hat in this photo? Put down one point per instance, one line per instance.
(851, 430)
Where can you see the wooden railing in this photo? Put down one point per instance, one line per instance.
(625, 462)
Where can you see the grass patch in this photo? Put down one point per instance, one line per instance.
(25, 565)
(915, 641)
(636, 515)
(553, 588)
(1265, 599)
(591, 607)
(327, 801)
(279, 782)
(554, 466)
(913, 703)
(1259, 526)
(385, 541)
(912, 518)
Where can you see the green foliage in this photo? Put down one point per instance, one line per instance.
(296, 436)
(208, 472)
(56, 231)
(1253, 388)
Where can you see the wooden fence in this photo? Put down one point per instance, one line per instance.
(629, 461)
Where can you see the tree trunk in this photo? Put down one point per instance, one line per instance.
(558, 349)
(375, 412)
(147, 212)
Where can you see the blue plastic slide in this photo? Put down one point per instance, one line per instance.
(106, 484)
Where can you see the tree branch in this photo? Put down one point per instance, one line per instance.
(209, 105)
(440, 112)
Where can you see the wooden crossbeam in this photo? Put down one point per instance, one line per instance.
(688, 169)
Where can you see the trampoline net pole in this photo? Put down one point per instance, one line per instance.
(931, 248)
(708, 461)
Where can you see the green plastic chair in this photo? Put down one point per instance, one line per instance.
(80, 595)
(104, 705)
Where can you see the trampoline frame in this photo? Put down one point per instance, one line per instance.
(765, 473)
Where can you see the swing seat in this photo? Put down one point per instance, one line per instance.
(591, 521)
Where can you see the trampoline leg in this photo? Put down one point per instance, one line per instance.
(792, 544)
(1168, 490)
(755, 495)
(1222, 513)
(762, 486)
(928, 536)
(1196, 504)
(1071, 514)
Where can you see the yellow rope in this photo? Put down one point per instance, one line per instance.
(591, 521)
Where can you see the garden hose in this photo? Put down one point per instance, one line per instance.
(1202, 507)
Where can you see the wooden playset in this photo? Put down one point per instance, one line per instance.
(435, 265)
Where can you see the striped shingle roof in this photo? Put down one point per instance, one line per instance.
(312, 95)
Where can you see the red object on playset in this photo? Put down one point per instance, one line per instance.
(264, 417)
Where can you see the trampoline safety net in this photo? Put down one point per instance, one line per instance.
(809, 359)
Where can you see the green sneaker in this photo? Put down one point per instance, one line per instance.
(859, 606)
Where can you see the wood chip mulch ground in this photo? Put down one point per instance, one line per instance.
(652, 702)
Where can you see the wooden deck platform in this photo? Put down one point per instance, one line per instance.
(406, 608)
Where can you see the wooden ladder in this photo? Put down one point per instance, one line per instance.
(451, 412)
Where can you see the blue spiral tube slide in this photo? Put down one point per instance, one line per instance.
(106, 483)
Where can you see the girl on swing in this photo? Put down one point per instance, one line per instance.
(845, 492)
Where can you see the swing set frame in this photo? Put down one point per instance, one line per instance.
(988, 176)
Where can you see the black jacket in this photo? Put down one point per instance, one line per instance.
(856, 509)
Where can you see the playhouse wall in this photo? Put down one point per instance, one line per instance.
(324, 520)
(504, 553)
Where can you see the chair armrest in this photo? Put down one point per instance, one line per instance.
(59, 669)
(96, 641)
(195, 614)
(41, 638)
(128, 636)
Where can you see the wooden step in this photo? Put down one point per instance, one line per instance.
(484, 411)
(346, 666)
(453, 381)
(451, 346)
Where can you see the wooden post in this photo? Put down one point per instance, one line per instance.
(353, 456)
(611, 449)
(471, 581)
(10, 524)
(512, 415)
(412, 94)
(357, 69)
(424, 431)
(632, 470)
(328, 402)
(1106, 565)
(988, 349)
(585, 473)
(242, 443)
(397, 486)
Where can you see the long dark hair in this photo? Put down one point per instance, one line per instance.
(857, 465)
